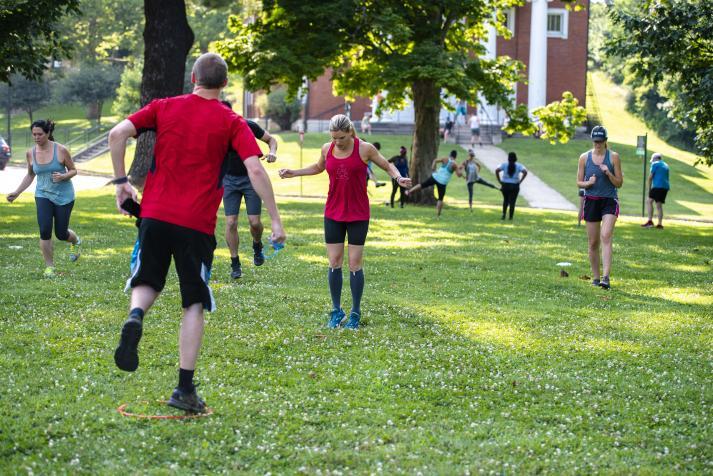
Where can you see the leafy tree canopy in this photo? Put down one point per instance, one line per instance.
(25, 94)
(28, 35)
(373, 46)
(671, 44)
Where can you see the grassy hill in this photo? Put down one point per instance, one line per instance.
(691, 195)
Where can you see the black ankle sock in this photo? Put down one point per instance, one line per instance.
(185, 379)
(137, 312)
(234, 261)
(257, 245)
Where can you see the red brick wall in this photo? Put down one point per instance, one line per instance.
(323, 104)
(566, 58)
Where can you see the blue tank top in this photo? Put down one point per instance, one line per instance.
(59, 193)
(444, 173)
(603, 187)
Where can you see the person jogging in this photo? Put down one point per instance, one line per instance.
(471, 168)
(52, 164)
(599, 174)
(346, 213)
(180, 201)
(440, 178)
(236, 186)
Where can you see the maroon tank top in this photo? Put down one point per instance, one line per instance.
(347, 199)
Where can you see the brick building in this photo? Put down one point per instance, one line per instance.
(547, 37)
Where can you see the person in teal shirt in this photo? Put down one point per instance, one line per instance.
(54, 193)
(658, 189)
(443, 169)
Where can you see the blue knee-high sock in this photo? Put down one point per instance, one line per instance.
(334, 277)
(356, 282)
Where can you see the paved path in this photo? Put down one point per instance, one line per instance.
(11, 177)
(537, 193)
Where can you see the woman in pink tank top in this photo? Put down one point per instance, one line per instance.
(346, 213)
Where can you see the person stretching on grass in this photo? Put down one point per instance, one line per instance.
(54, 195)
(440, 178)
(179, 206)
(599, 174)
(471, 167)
(346, 213)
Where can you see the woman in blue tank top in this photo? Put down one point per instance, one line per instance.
(54, 193)
(599, 174)
(443, 169)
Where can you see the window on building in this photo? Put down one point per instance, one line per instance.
(510, 20)
(557, 22)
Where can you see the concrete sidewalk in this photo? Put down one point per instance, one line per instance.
(537, 193)
(11, 177)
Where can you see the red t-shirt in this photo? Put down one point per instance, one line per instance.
(184, 185)
(347, 199)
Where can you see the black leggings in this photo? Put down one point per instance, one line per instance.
(470, 188)
(395, 186)
(510, 192)
(47, 211)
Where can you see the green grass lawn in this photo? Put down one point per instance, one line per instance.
(691, 194)
(475, 355)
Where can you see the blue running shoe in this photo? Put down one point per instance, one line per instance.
(335, 318)
(353, 322)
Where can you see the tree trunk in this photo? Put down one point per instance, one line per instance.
(427, 106)
(167, 40)
(93, 110)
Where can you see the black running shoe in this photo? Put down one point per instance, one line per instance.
(605, 283)
(596, 282)
(236, 271)
(258, 256)
(126, 355)
(188, 401)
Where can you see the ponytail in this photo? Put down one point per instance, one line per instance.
(512, 158)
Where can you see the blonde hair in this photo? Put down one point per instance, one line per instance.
(341, 123)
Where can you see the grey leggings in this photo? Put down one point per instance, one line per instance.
(47, 212)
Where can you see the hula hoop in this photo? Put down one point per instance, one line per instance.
(122, 411)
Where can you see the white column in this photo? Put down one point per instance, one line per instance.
(488, 113)
(537, 74)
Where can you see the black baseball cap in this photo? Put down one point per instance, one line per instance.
(599, 134)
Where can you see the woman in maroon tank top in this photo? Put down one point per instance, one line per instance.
(346, 213)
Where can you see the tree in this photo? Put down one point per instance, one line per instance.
(104, 31)
(281, 110)
(91, 85)
(25, 94)
(415, 49)
(128, 96)
(28, 36)
(167, 40)
(670, 44)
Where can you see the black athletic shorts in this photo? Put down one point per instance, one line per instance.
(335, 231)
(596, 208)
(430, 182)
(192, 253)
(658, 195)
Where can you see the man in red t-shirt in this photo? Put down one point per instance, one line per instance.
(180, 201)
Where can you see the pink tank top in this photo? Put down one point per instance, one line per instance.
(347, 199)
